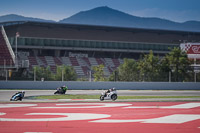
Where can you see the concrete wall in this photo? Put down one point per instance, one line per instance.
(78, 85)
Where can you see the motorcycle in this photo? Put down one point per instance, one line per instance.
(17, 96)
(60, 91)
(109, 96)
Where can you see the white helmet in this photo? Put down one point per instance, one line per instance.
(113, 88)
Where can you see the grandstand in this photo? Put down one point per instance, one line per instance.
(82, 46)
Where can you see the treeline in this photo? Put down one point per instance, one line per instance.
(174, 67)
(63, 73)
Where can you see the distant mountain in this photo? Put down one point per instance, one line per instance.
(14, 17)
(110, 17)
(106, 16)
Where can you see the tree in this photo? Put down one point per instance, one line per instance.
(128, 70)
(65, 72)
(178, 63)
(42, 72)
(98, 73)
(114, 76)
(149, 67)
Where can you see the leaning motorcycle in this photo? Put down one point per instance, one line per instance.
(60, 91)
(17, 96)
(109, 96)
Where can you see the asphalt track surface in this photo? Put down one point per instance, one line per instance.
(117, 117)
(5, 95)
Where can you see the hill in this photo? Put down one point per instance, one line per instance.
(110, 17)
(106, 16)
(14, 17)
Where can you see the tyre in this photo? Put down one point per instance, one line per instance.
(17, 98)
(101, 98)
(56, 92)
(114, 97)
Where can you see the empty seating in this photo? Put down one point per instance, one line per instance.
(86, 60)
(74, 61)
(109, 62)
(81, 65)
(50, 61)
(43, 60)
(66, 61)
(93, 61)
(85, 70)
(57, 61)
(100, 61)
(79, 70)
(32, 60)
(116, 62)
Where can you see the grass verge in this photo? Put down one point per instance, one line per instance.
(67, 96)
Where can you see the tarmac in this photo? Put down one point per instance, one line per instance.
(5, 95)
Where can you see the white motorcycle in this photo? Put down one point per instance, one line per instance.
(108, 96)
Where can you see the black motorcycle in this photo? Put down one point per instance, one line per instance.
(60, 91)
(18, 96)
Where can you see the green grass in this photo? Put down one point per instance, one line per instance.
(67, 96)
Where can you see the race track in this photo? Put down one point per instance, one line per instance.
(5, 95)
(118, 117)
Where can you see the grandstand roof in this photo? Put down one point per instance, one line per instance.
(97, 27)
(98, 33)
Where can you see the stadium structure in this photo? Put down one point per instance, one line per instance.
(25, 44)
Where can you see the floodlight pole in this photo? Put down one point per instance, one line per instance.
(6, 75)
(90, 74)
(34, 74)
(16, 60)
(195, 75)
(62, 75)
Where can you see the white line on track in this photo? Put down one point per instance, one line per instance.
(65, 117)
(16, 105)
(179, 106)
(171, 119)
(37, 132)
(87, 105)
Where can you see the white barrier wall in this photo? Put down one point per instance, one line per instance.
(79, 85)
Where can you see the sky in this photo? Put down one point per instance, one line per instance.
(174, 10)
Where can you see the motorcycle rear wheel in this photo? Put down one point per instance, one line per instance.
(114, 97)
(101, 98)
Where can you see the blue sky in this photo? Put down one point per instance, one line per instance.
(175, 10)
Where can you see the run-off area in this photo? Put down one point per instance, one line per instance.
(177, 117)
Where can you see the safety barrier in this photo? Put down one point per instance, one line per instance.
(85, 85)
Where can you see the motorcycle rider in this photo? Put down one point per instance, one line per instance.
(23, 93)
(109, 90)
(63, 89)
